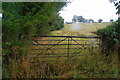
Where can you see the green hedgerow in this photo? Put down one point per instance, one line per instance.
(110, 37)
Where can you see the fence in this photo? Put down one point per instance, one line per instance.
(63, 46)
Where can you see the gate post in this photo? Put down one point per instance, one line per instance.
(68, 48)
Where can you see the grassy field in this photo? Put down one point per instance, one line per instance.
(92, 64)
(80, 29)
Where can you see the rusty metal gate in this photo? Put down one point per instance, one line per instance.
(63, 46)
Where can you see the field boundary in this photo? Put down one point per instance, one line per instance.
(81, 47)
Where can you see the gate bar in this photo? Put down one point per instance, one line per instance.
(64, 44)
(70, 36)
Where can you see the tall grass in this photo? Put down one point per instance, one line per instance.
(94, 65)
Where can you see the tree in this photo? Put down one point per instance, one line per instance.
(74, 18)
(100, 20)
(80, 19)
(117, 5)
(91, 21)
(21, 21)
(86, 21)
(111, 20)
(110, 35)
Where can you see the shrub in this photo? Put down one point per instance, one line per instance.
(110, 37)
(21, 21)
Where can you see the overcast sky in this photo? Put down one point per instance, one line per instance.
(94, 9)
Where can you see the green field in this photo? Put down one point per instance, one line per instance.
(88, 26)
(81, 29)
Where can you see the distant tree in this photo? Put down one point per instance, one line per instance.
(80, 19)
(91, 21)
(111, 20)
(100, 20)
(74, 18)
(86, 21)
(21, 21)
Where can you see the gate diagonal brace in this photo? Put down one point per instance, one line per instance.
(52, 46)
(78, 43)
(73, 55)
(49, 50)
(76, 52)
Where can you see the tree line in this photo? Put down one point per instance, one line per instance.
(83, 20)
(21, 21)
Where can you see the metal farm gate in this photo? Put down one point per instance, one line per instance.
(64, 46)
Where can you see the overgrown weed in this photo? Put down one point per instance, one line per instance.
(92, 66)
